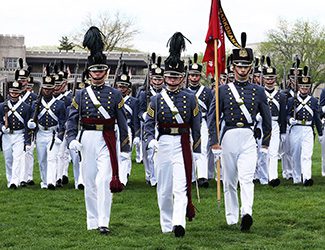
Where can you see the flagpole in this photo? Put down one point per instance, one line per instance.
(216, 77)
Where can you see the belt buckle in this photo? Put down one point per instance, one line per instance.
(99, 127)
(174, 131)
(240, 124)
(303, 122)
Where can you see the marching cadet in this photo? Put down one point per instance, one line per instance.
(204, 97)
(239, 102)
(322, 114)
(277, 103)
(131, 105)
(60, 93)
(256, 73)
(27, 96)
(175, 112)
(303, 114)
(286, 158)
(97, 108)
(49, 118)
(156, 82)
(14, 115)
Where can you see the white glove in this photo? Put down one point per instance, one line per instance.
(57, 140)
(5, 130)
(323, 109)
(292, 121)
(153, 144)
(75, 145)
(136, 140)
(217, 153)
(283, 137)
(31, 124)
(27, 147)
(124, 156)
(264, 150)
(196, 156)
(144, 115)
(258, 117)
(320, 139)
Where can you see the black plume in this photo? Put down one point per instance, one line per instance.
(176, 46)
(243, 39)
(306, 71)
(231, 58)
(153, 58)
(159, 61)
(195, 58)
(61, 65)
(93, 40)
(56, 69)
(256, 61)
(268, 61)
(47, 69)
(262, 60)
(16, 75)
(298, 62)
(124, 70)
(21, 63)
(29, 68)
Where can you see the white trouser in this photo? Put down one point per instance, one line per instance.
(77, 169)
(171, 183)
(323, 155)
(47, 158)
(151, 159)
(202, 162)
(239, 161)
(63, 160)
(261, 172)
(302, 142)
(97, 175)
(29, 162)
(13, 151)
(138, 148)
(125, 165)
(273, 151)
(287, 161)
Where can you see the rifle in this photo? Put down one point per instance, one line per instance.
(187, 72)
(284, 82)
(262, 65)
(147, 81)
(297, 63)
(118, 67)
(75, 82)
(5, 106)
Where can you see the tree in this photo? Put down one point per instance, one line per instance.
(119, 32)
(65, 44)
(303, 38)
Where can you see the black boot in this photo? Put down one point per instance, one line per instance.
(246, 223)
(179, 231)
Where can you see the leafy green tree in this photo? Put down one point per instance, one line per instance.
(302, 38)
(65, 44)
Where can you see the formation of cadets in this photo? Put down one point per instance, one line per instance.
(171, 123)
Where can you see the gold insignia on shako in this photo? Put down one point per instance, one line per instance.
(48, 79)
(269, 70)
(21, 72)
(82, 85)
(305, 79)
(243, 53)
(15, 84)
(153, 66)
(56, 77)
(158, 70)
(124, 77)
(195, 66)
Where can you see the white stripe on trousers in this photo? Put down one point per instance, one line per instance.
(238, 159)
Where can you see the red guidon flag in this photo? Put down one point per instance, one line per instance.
(215, 32)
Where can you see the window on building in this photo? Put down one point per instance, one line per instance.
(10, 62)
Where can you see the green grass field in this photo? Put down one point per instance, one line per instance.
(287, 217)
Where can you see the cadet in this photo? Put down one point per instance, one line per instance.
(277, 104)
(156, 82)
(204, 97)
(239, 102)
(131, 105)
(14, 114)
(176, 113)
(98, 107)
(49, 115)
(303, 113)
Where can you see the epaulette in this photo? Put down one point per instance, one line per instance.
(197, 144)
(120, 105)
(196, 109)
(74, 103)
(150, 112)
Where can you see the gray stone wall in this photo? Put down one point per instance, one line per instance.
(11, 47)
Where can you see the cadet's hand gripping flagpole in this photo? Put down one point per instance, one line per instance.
(217, 116)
